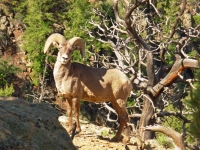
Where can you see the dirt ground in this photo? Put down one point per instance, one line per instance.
(93, 137)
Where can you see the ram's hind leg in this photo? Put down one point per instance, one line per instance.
(120, 107)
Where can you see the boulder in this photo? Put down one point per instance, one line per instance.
(34, 126)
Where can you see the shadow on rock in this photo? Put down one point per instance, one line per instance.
(25, 125)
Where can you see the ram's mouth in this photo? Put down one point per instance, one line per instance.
(64, 61)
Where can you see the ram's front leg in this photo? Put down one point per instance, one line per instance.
(76, 103)
(69, 114)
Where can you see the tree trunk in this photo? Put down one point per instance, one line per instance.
(146, 119)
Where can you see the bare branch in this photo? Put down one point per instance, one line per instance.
(154, 8)
(179, 66)
(109, 113)
(120, 21)
(177, 137)
(183, 5)
(176, 114)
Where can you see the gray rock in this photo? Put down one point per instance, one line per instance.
(31, 126)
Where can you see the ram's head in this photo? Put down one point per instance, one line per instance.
(65, 47)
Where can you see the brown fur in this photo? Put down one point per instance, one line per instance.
(75, 81)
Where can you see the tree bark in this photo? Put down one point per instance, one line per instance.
(146, 119)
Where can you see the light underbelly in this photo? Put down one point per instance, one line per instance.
(90, 97)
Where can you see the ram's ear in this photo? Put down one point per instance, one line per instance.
(56, 44)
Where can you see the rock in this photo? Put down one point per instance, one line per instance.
(4, 20)
(3, 23)
(63, 119)
(84, 127)
(25, 125)
(3, 27)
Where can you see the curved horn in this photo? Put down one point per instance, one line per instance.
(55, 37)
(78, 43)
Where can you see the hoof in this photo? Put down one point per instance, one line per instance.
(126, 140)
(78, 130)
(120, 139)
(69, 131)
(116, 139)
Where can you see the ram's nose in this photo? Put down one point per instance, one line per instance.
(64, 57)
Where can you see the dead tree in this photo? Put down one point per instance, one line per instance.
(139, 42)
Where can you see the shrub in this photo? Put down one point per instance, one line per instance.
(165, 141)
(7, 90)
(194, 102)
(7, 71)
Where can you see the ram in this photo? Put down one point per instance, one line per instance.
(75, 81)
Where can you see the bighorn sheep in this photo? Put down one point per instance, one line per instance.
(75, 81)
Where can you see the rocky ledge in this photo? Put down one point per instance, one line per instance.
(29, 126)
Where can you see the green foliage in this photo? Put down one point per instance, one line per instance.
(130, 102)
(104, 133)
(168, 9)
(193, 54)
(35, 34)
(39, 17)
(196, 19)
(107, 133)
(195, 125)
(79, 15)
(194, 102)
(168, 57)
(171, 121)
(7, 90)
(165, 141)
(7, 70)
